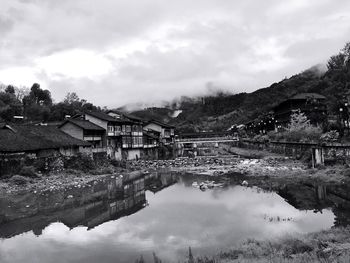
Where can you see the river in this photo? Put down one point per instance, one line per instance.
(118, 219)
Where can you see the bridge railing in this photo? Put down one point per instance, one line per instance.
(226, 138)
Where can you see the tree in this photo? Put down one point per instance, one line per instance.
(336, 62)
(9, 105)
(38, 96)
(298, 121)
(10, 89)
(37, 103)
(71, 97)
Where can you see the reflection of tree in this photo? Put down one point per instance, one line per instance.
(310, 197)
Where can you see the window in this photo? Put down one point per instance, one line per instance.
(110, 128)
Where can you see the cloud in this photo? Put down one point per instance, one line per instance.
(114, 52)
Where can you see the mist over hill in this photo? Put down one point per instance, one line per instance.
(219, 111)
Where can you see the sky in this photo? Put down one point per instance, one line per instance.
(117, 52)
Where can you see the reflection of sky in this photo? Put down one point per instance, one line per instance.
(178, 217)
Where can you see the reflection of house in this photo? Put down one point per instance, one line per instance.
(312, 104)
(164, 131)
(102, 202)
(87, 131)
(156, 182)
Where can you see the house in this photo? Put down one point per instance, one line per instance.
(124, 138)
(41, 141)
(165, 131)
(86, 131)
(312, 104)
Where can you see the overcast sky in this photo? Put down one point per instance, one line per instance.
(114, 52)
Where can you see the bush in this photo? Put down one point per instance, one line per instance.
(296, 246)
(28, 171)
(331, 136)
(311, 134)
(116, 163)
(81, 162)
(19, 180)
(261, 138)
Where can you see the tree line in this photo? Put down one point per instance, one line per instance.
(36, 104)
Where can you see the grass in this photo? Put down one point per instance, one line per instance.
(326, 246)
(322, 247)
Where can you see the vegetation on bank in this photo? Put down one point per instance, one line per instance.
(31, 170)
(326, 246)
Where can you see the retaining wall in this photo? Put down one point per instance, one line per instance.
(325, 153)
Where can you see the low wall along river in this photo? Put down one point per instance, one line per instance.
(326, 153)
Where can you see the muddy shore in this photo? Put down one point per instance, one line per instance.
(257, 167)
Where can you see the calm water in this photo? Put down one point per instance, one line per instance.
(117, 220)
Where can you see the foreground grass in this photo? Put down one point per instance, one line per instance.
(327, 246)
(322, 247)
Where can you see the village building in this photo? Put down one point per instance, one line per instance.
(41, 141)
(32, 141)
(165, 132)
(124, 138)
(312, 104)
(86, 131)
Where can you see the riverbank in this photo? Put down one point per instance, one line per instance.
(326, 246)
(251, 165)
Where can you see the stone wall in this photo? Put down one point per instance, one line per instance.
(325, 153)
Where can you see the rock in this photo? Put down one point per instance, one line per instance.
(245, 183)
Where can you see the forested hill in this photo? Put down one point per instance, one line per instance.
(223, 110)
(220, 111)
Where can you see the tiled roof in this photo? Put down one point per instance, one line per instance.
(84, 124)
(106, 117)
(161, 123)
(30, 138)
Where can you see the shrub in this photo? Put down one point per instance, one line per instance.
(261, 138)
(296, 246)
(19, 180)
(117, 163)
(28, 171)
(331, 136)
(81, 162)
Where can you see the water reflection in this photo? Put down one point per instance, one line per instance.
(118, 219)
